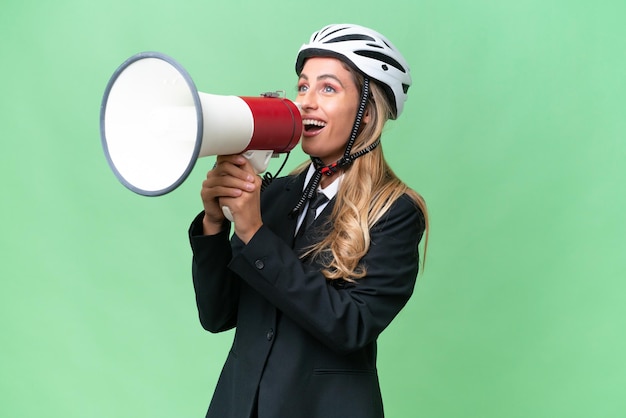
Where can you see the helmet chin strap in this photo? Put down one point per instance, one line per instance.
(345, 161)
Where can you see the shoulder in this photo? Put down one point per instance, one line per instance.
(403, 214)
(408, 203)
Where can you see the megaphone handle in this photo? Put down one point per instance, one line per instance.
(227, 213)
(259, 160)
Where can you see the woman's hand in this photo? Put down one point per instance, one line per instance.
(233, 183)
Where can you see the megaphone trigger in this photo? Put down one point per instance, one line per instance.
(259, 159)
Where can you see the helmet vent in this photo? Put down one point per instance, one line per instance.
(381, 57)
(355, 37)
(326, 35)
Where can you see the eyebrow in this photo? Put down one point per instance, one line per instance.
(324, 76)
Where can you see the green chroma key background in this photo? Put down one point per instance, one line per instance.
(514, 132)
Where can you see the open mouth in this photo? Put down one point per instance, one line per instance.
(312, 125)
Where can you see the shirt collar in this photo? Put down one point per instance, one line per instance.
(331, 190)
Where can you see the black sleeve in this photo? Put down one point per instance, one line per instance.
(216, 287)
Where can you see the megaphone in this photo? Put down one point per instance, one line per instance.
(154, 124)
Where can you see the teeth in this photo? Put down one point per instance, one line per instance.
(313, 122)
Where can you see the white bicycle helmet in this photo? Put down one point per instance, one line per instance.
(366, 50)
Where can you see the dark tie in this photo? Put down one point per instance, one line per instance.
(316, 201)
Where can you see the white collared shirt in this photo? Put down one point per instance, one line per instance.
(330, 191)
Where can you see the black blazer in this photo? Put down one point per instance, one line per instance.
(303, 347)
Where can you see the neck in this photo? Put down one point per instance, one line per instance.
(325, 181)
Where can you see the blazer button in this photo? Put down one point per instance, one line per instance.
(270, 334)
(259, 264)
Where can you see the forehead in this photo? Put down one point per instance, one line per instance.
(316, 66)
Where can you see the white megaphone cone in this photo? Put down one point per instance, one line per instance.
(154, 124)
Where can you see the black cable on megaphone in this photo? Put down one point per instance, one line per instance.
(268, 177)
(155, 124)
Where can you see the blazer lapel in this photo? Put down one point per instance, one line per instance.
(279, 202)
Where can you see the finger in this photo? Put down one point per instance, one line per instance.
(243, 171)
(236, 159)
(232, 177)
(249, 184)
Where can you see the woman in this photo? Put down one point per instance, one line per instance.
(308, 302)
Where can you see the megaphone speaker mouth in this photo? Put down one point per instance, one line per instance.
(151, 123)
(154, 124)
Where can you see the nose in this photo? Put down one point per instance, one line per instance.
(306, 101)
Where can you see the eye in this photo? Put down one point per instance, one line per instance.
(328, 89)
(302, 88)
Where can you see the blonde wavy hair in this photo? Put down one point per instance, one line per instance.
(368, 190)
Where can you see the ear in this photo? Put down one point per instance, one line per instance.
(366, 116)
